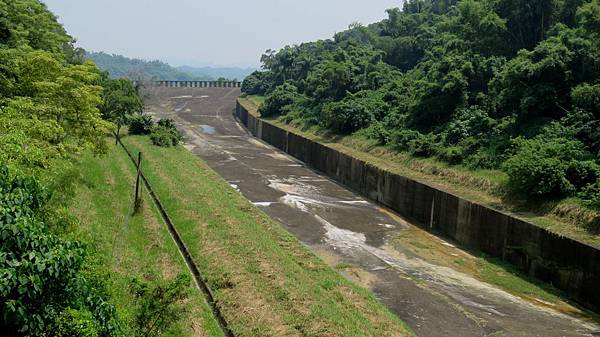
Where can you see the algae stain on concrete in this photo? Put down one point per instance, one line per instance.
(442, 253)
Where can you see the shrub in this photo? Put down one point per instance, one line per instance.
(468, 123)
(418, 144)
(257, 83)
(167, 123)
(354, 112)
(482, 159)
(165, 134)
(591, 194)
(582, 173)
(281, 98)
(379, 132)
(157, 304)
(423, 145)
(40, 272)
(74, 323)
(400, 138)
(165, 137)
(141, 125)
(453, 155)
(542, 167)
(587, 97)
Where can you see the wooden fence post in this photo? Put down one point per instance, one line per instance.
(117, 134)
(138, 197)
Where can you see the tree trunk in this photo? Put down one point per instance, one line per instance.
(118, 133)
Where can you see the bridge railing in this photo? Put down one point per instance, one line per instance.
(198, 84)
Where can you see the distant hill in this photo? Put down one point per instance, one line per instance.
(122, 66)
(217, 72)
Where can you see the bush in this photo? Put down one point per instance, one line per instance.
(157, 304)
(167, 123)
(482, 159)
(547, 167)
(278, 102)
(165, 134)
(41, 277)
(379, 132)
(587, 97)
(583, 173)
(141, 125)
(257, 83)
(400, 138)
(354, 112)
(453, 155)
(591, 194)
(468, 123)
(74, 323)
(423, 146)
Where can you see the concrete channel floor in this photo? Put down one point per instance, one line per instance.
(342, 227)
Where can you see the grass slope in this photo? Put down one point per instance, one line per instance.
(127, 246)
(267, 283)
(483, 186)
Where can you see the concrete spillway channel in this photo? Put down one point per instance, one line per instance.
(344, 228)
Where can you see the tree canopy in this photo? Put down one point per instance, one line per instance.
(480, 83)
(53, 105)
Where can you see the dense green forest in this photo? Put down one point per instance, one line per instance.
(54, 106)
(119, 66)
(487, 84)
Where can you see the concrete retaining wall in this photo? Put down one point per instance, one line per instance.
(569, 265)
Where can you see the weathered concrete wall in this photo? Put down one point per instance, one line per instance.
(569, 265)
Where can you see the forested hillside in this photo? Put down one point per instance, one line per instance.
(54, 105)
(487, 84)
(217, 72)
(119, 66)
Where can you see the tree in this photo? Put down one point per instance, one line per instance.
(463, 80)
(120, 101)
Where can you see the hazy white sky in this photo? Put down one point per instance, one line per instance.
(200, 32)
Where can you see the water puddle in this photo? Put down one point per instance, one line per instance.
(207, 129)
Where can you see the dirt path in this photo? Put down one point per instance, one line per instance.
(352, 233)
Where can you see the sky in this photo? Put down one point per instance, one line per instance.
(201, 33)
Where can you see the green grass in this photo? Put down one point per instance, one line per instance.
(254, 101)
(266, 282)
(566, 217)
(507, 277)
(124, 246)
